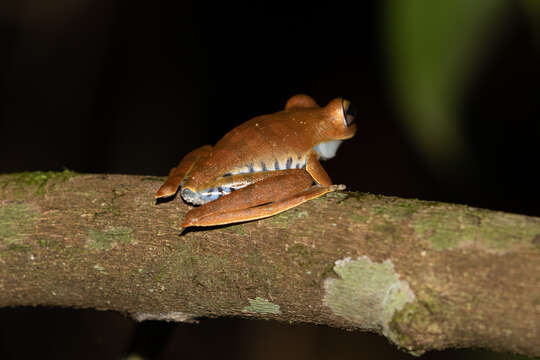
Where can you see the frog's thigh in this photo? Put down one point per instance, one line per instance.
(279, 193)
(265, 187)
(177, 174)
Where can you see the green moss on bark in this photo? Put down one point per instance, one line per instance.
(466, 226)
(17, 221)
(37, 179)
(109, 238)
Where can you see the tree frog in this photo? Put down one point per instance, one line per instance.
(264, 166)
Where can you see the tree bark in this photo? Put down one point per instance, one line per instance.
(426, 275)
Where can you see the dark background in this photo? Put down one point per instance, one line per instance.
(130, 87)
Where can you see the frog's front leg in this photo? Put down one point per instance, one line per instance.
(178, 174)
(267, 197)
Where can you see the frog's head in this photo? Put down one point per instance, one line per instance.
(336, 125)
(326, 127)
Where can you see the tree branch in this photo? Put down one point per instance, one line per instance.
(425, 275)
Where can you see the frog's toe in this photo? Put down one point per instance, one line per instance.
(165, 190)
(189, 221)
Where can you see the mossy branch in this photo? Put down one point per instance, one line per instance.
(425, 275)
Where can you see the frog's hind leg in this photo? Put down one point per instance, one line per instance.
(178, 174)
(259, 200)
(263, 211)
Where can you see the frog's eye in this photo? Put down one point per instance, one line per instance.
(349, 112)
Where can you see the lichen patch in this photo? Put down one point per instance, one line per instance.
(109, 238)
(261, 306)
(366, 293)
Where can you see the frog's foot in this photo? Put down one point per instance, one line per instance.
(260, 200)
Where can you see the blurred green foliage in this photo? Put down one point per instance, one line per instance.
(432, 48)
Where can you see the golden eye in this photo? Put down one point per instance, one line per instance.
(349, 112)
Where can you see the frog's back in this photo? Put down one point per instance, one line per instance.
(271, 142)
